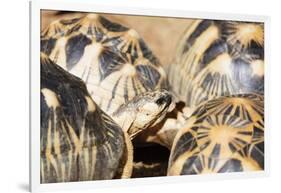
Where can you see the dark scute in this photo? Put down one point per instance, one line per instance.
(113, 149)
(215, 49)
(66, 86)
(208, 80)
(201, 119)
(94, 120)
(100, 130)
(75, 28)
(148, 76)
(52, 176)
(228, 110)
(47, 45)
(110, 61)
(256, 50)
(237, 111)
(101, 162)
(258, 132)
(194, 128)
(97, 121)
(132, 51)
(185, 143)
(257, 154)
(75, 49)
(69, 21)
(199, 111)
(114, 27)
(242, 74)
(232, 165)
(53, 118)
(116, 40)
(113, 93)
(147, 53)
(216, 151)
(188, 166)
(196, 33)
(98, 33)
(45, 113)
(232, 147)
(226, 28)
(126, 92)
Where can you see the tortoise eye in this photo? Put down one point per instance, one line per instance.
(160, 101)
(164, 99)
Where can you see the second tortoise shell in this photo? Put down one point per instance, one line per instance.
(112, 59)
(218, 58)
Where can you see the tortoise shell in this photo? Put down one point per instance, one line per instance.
(223, 135)
(78, 140)
(218, 58)
(112, 59)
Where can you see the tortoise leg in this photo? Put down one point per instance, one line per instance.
(126, 164)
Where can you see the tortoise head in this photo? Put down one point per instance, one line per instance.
(143, 111)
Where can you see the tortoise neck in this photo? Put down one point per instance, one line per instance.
(123, 120)
(124, 117)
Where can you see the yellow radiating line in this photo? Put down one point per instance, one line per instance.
(94, 159)
(70, 157)
(58, 54)
(86, 162)
(201, 44)
(63, 171)
(48, 145)
(186, 35)
(74, 138)
(53, 162)
(177, 165)
(42, 171)
(57, 145)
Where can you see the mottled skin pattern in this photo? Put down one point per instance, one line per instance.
(143, 111)
(113, 60)
(78, 140)
(222, 135)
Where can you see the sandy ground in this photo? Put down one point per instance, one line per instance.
(160, 33)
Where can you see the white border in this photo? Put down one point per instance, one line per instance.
(87, 6)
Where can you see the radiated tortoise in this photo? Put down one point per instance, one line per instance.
(222, 135)
(111, 59)
(213, 58)
(81, 142)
